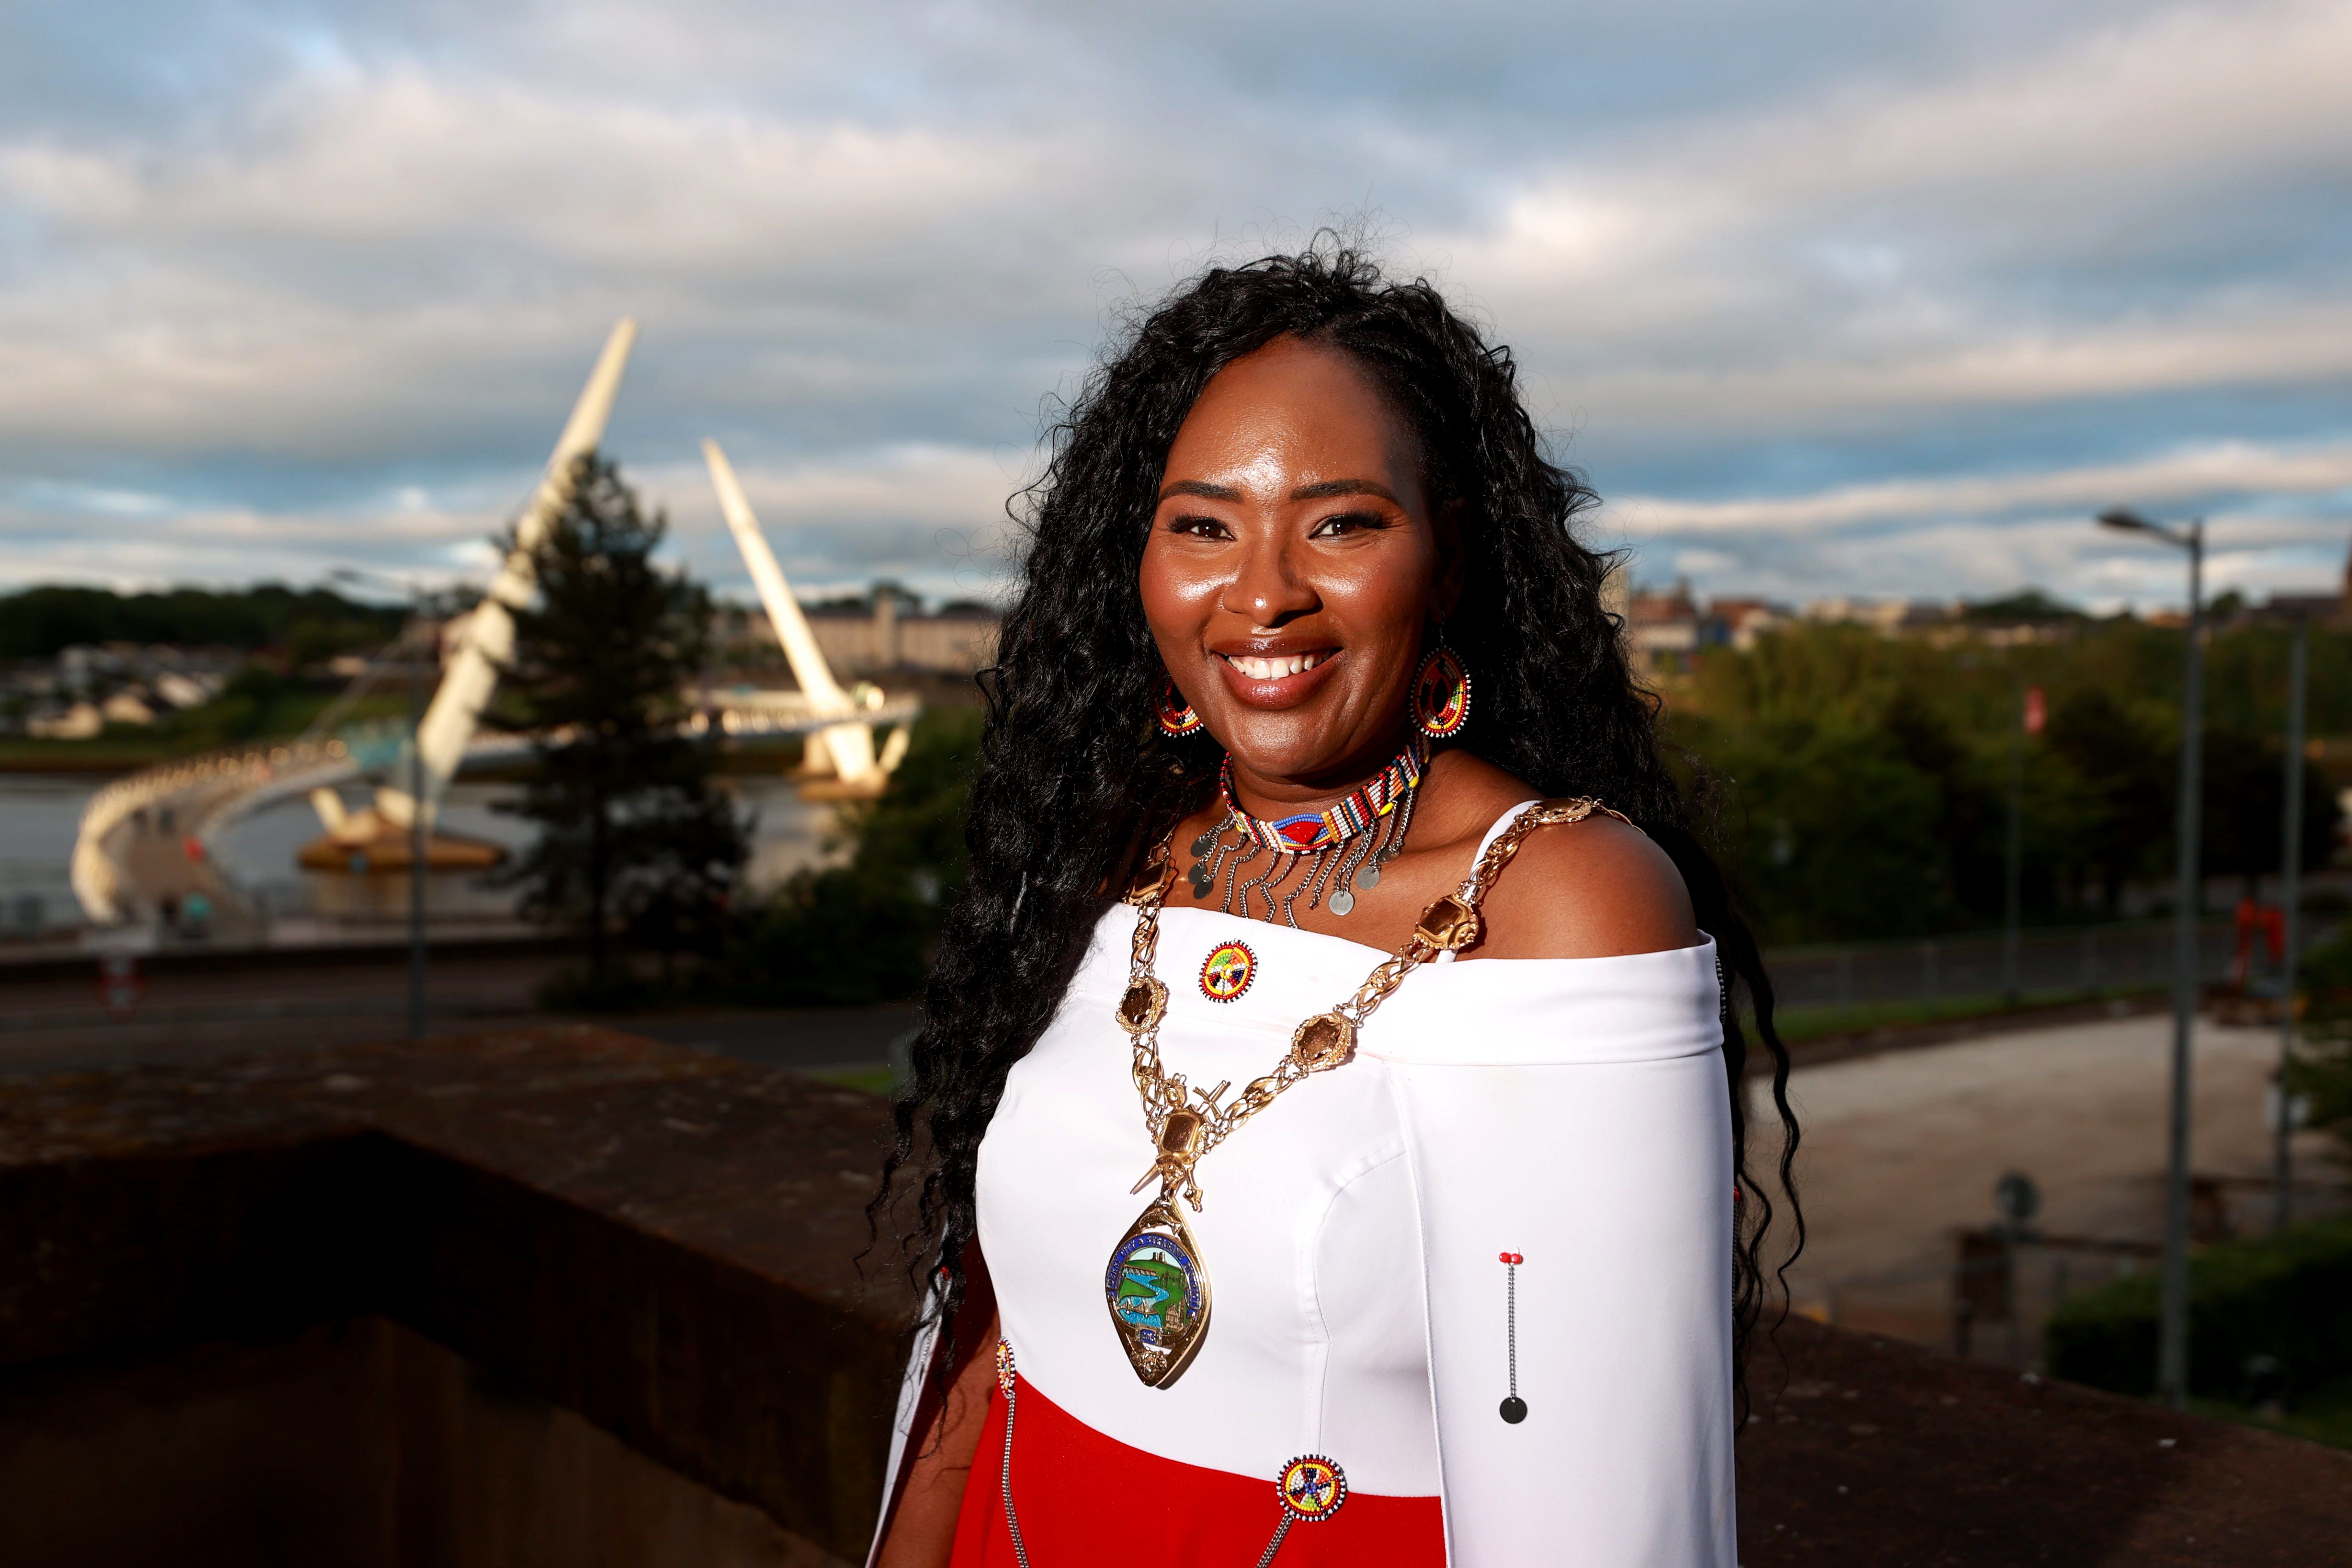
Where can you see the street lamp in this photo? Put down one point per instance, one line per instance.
(2290, 915)
(414, 635)
(2172, 1344)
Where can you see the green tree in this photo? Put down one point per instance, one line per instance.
(633, 840)
(2129, 769)
(1833, 831)
(2323, 1069)
(1866, 777)
(863, 932)
(35, 623)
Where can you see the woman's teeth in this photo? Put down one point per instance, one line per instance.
(1274, 668)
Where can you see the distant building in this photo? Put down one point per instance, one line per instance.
(887, 631)
(182, 691)
(126, 707)
(952, 641)
(1663, 630)
(1888, 615)
(1744, 620)
(2317, 608)
(79, 722)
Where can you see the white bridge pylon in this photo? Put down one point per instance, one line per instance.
(116, 852)
(489, 638)
(846, 749)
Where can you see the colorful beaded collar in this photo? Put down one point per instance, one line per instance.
(1311, 831)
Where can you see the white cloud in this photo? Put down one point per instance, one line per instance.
(931, 517)
(1915, 248)
(2027, 266)
(2233, 470)
(401, 159)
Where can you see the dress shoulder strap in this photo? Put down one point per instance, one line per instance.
(1514, 826)
(1501, 826)
(1502, 842)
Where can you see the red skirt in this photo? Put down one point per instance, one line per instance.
(1085, 1500)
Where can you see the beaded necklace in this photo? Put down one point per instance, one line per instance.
(1339, 848)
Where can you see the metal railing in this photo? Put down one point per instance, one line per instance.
(2126, 956)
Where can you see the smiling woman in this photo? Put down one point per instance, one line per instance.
(1465, 957)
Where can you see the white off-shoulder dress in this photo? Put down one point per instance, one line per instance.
(1571, 1114)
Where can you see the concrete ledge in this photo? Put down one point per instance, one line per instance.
(565, 1296)
(1879, 1454)
(655, 1239)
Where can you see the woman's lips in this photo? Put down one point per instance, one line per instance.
(1275, 681)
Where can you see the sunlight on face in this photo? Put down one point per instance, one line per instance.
(1294, 564)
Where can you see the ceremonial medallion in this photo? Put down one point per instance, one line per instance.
(1158, 1294)
(1311, 1488)
(1227, 972)
(1155, 1287)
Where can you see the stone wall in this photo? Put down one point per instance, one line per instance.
(562, 1295)
(615, 1235)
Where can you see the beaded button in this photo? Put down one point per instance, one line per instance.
(1312, 1489)
(1227, 972)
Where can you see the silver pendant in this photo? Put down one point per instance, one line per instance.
(1369, 877)
(1342, 901)
(1157, 1293)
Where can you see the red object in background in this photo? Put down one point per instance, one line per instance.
(2037, 710)
(118, 985)
(2266, 922)
(193, 848)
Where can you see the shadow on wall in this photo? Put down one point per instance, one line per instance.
(560, 1296)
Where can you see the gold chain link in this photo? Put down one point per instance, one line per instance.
(1163, 1092)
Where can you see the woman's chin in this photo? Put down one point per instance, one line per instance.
(1285, 744)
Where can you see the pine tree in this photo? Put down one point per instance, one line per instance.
(633, 843)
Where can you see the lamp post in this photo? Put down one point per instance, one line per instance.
(2290, 911)
(2033, 718)
(2013, 862)
(2172, 1343)
(418, 667)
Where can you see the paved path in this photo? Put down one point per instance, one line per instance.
(1902, 1150)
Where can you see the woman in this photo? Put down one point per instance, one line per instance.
(1458, 1274)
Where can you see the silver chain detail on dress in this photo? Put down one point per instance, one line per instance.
(1510, 1330)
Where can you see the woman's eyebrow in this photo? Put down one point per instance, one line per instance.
(1326, 488)
(1200, 488)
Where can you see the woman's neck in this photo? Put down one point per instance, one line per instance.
(1275, 795)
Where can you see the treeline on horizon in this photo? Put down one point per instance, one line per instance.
(1859, 783)
(41, 622)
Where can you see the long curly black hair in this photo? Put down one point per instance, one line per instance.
(1075, 777)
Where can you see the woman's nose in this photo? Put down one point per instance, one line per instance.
(1268, 589)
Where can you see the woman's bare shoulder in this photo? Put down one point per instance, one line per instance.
(1595, 888)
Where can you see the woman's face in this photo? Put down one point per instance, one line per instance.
(1292, 564)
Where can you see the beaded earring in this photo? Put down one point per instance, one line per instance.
(1175, 715)
(1441, 693)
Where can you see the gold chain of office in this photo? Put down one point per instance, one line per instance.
(1181, 1133)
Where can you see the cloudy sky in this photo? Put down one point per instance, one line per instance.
(1830, 296)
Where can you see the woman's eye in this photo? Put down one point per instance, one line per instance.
(1203, 527)
(1345, 523)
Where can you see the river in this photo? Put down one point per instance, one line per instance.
(40, 814)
